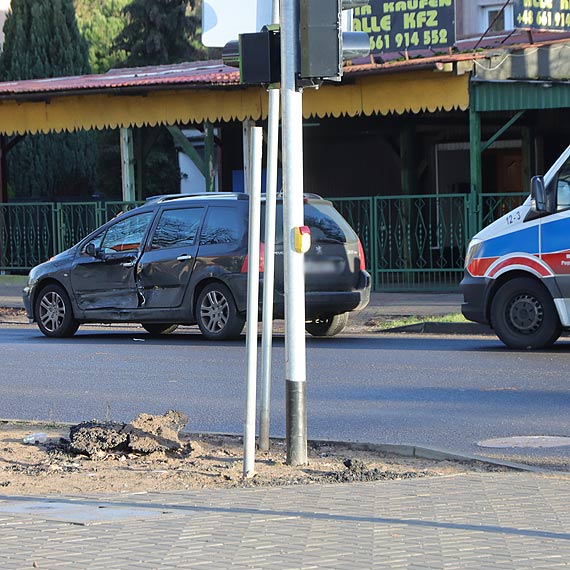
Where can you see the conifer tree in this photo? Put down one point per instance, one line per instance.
(159, 32)
(42, 40)
(100, 22)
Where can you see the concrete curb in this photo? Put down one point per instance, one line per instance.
(429, 327)
(414, 451)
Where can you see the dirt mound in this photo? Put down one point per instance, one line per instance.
(145, 434)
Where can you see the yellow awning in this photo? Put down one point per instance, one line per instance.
(383, 94)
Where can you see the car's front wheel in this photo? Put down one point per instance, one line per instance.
(54, 313)
(330, 325)
(157, 329)
(524, 316)
(216, 313)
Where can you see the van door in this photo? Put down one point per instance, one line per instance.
(164, 270)
(555, 232)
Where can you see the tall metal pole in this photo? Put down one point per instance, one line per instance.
(256, 141)
(295, 357)
(269, 264)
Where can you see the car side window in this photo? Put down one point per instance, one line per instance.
(127, 234)
(177, 228)
(222, 225)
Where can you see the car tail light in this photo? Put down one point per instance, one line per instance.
(245, 264)
(361, 255)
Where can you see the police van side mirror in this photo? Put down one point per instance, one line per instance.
(538, 194)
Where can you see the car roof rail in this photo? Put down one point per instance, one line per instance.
(306, 196)
(170, 197)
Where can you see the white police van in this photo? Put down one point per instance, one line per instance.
(517, 270)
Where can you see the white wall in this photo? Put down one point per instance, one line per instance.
(473, 18)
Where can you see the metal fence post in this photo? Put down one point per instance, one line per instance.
(57, 230)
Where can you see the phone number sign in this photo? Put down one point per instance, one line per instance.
(407, 25)
(542, 14)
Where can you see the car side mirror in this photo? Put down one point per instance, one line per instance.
(92, 250)
(538, 194)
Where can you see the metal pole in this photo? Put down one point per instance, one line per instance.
(256, 141)
(269, 264)
(295, 357)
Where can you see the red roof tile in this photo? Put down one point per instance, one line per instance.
(194, 74)
(214, 74)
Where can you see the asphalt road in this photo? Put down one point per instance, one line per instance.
(435, 391)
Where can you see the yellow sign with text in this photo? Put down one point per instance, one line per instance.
(407, 25)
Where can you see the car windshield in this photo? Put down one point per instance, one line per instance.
(326, 224)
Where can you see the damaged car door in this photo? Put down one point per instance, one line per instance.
(103, 275)
(168, 260)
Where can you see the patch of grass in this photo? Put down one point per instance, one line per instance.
(15, 280)
(392, 323)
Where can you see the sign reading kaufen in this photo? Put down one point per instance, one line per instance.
(407, 25)
(542, 14)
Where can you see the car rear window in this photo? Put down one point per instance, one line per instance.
(177, 228)
(222, 225)
(326, 224)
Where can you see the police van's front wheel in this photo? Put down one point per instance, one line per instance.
(524, 316)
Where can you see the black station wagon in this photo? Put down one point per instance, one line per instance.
(182, 260)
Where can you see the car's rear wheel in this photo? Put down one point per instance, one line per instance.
(216, 313)
(330, 325)
(54, 313)
(524, 316)
(157, 329)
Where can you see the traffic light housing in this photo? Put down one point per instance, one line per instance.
(258, 56)
(323, 45)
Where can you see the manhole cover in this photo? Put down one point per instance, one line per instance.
(526, 441)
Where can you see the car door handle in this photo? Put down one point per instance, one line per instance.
(128, 264)
(184, 257)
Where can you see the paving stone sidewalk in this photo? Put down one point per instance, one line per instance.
(475, 521)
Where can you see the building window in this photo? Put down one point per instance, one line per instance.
(492, 18)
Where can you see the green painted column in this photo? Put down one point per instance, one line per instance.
(210, 157)
(408, 158)
(127, 164)
(409, 187)
(475, 165)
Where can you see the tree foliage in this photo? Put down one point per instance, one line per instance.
(100, 22)
(159, 32)
(42, 40)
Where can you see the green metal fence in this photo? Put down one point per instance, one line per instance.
(411, 242)
(32, 232)
(419, 242)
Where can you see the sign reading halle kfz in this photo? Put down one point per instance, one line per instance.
(542, 14)
(407, 25)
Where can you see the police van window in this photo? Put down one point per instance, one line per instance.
(177, 228)
(222, 225)
(126, 234)
(563, 187)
